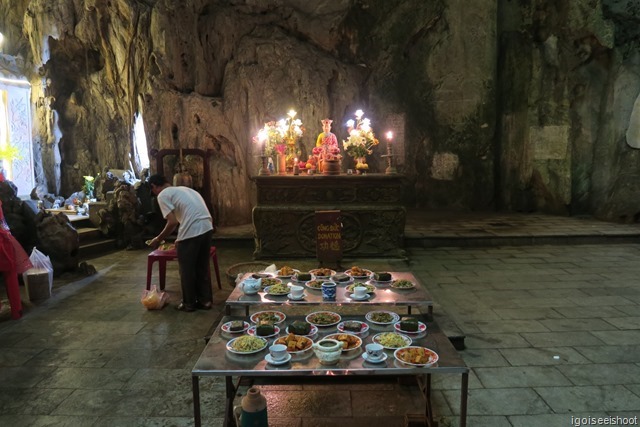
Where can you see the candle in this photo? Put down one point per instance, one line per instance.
(389, 136)
(296, 168)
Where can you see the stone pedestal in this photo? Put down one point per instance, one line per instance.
(373, 217)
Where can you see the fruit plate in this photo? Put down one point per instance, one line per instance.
(252, 331)
(392, 340)
(421, 328)
(382, 317)
(349, 342)
(363, 327)
(227, 328)
(416, 356)
(274, 316)
(254, 344)
(323, 318)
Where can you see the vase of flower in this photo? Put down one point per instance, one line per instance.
(361, 165)
(282, 164)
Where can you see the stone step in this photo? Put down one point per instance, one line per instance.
(98, 247)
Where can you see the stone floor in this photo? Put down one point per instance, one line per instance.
(552, 332)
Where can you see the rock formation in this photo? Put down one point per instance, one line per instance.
(525, 106)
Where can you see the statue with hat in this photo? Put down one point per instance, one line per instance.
(327, 147)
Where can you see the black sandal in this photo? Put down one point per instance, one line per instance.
(204, 306)
(183, 307)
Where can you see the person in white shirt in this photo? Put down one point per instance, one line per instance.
(185, 208)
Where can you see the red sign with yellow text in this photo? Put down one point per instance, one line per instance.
(328, 236)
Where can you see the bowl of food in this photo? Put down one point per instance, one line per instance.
(323, 318)
(380, 317)
(322, 273)
(277, 290)
(402, 284)
(295, 343)
(349, 341)
(286, 272)
(353, 327)
(392, 340)
(359, 273)
(246, 344)
(416, 356)
(274, 317)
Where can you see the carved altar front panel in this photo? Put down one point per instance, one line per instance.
(373, 217)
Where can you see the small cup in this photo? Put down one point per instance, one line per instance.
(278, 351)
(296, 291)
(374, 351)
(359, 291)
(329, 291)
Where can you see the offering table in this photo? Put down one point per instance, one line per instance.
(383, 295)
(372, 215)
(216, 360)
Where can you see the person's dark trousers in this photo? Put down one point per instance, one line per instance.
(193, 258)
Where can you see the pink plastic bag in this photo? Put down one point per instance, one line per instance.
(152, 299)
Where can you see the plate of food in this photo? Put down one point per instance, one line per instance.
(295, 343)
(246, 344)
(235, 327)
(353, 327)
(323, 318)
(382, 278)
(359, 273)
(315, 284)
(286, 272)
(265, 330)
(277, 290)
(302, 277)
(382, 317)
(300, 327)
(403, 284)
(322, 273)
(392, 340)
(409, 325)
(341, 278)
(261, 275)
(349, 341)
(416, 356)
(267, 282)
(370, 288)
(274, 317)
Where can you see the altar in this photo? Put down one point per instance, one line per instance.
(371, 212)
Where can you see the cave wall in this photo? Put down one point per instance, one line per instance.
(519, 105)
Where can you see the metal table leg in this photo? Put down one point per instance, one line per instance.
(195, 388)
(464, 390)
(230, 395)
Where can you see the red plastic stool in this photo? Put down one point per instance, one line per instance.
(163, 256)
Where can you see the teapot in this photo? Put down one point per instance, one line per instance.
(250, 286)
(328, 351)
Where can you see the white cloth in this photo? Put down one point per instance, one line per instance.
(189, 208)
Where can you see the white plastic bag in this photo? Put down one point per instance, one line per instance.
(41, 264)
(152, 299)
